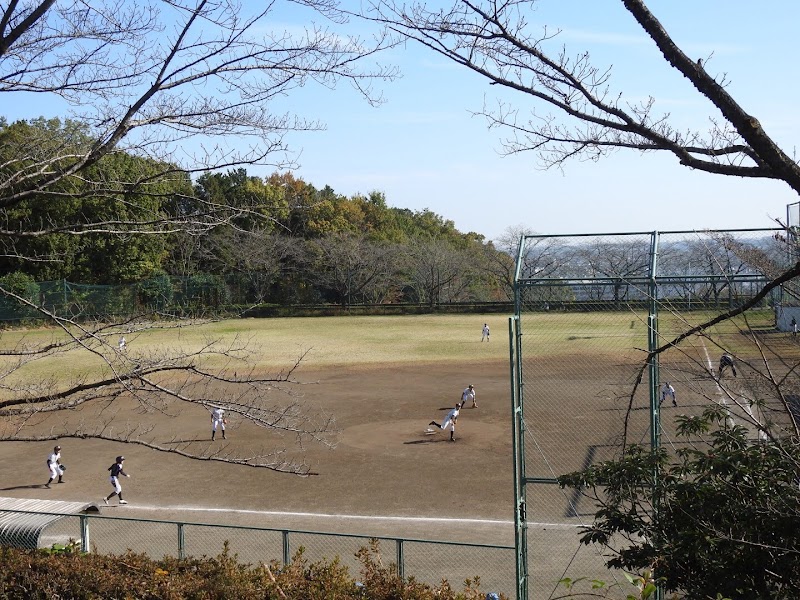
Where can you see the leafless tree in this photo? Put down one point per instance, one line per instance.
(616, 262)
(185, 87)
(351, 266)
(497, 41)
(259, 257)
(190, 85)
(436, 270)
(501, 257)
(121, 393)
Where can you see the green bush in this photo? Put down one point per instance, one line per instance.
(66, 573)
(156, 292)
(23, 286)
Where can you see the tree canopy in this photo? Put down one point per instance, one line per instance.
(154, 94)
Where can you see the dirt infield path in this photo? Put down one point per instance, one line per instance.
(386, 476)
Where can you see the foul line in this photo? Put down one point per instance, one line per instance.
(270, 513)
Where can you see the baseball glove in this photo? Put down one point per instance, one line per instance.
(62, 468)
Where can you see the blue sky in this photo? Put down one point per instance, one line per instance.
(423, 149)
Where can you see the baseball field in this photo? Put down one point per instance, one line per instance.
(383, 379)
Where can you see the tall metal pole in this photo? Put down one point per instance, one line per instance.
(517, 432)
(518, 446)
(652, 344)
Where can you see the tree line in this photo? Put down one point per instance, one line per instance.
(285, 241)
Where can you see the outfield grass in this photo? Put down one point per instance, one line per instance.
(374, 340)
(280, 342)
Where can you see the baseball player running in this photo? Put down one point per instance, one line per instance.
(116, 473)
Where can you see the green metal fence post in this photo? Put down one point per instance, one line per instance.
(181, 542)
(285, 539)
(517, 427)
(84, 533)
(652, 345)
(518, 454)
(401, 571)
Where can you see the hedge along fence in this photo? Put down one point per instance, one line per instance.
(206, 295)
(428, 562)
(63, 572)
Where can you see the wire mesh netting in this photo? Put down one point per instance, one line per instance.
(606, 326)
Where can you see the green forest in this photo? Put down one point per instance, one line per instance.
(254, 240)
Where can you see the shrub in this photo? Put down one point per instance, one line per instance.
(65, 573)
(23, 286)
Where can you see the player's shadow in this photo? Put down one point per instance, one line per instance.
(433, 436)
(205, 439)
(576, 497)
(34, 486)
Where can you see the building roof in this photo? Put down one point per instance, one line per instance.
(22, 520)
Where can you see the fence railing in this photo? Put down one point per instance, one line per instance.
(428, 561)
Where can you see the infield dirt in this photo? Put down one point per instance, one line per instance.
(384, 464)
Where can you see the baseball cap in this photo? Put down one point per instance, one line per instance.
(120, 458)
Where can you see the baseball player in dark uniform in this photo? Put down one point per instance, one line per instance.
(116, 472)
(726, 361)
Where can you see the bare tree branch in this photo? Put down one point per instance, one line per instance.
(154, 93)
(497, 41)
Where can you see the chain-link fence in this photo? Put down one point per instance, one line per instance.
(427, 561)
(195, 296)
(592, 347)
(184, 295)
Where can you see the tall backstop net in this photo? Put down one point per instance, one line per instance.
(593, 341)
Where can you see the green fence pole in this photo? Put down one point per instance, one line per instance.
(401, 571)
(518, 454)
(285, 537)
(655, 406)
(181, 541)
(84, 533)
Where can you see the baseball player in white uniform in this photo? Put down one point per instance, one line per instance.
(449, 421)
(469, 394)
(54, 464)
(218, 420)
(485, 335)
(668, 390)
